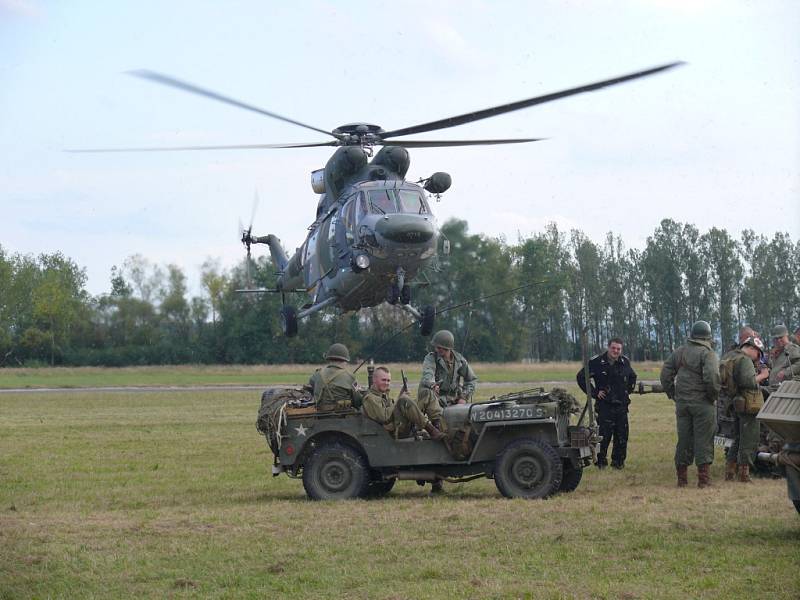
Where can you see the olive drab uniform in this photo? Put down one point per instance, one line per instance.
(746, 394)
(617, 378)
(786, 362)
(335, 388)
(435, 370)
(690, 377)
(396, 416)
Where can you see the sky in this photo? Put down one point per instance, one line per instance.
(715, 143)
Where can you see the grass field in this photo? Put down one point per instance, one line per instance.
(168, 494)
(80, 377)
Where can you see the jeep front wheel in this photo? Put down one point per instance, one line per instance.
(335, 472)
(528, 468)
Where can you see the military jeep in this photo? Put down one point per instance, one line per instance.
(524, 441)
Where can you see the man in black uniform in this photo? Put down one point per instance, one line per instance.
(612, 380)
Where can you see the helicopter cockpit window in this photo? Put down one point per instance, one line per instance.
(411, 202)
(382, 201)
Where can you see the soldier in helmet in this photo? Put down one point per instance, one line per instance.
(334, 387)
(446, 379)
(741, 382)
(784, 358)
(690, 377)
(396, 416)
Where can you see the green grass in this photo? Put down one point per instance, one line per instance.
(190, 375)
(168, 494)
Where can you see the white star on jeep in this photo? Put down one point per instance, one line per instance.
(300, 430)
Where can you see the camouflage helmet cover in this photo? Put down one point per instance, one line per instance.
(779, 331)
(701, 330)
(754, 342)
(337, 352)
(443, 339)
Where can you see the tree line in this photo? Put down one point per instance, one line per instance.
(563, 282)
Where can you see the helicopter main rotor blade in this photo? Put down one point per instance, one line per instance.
(193, 89)
(505, 108)
(184, 148)
(442, 143)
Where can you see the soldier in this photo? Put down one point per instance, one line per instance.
(741, 382)
(784, 358)
(334, 387)
(690, 377)
(797, 336)
(441, 371)
(396, 416)
(614, 379)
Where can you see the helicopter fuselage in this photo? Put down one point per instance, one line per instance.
(378, 233)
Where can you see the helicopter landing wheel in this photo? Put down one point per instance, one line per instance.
(289, 320)
(393, 294)
(427, 320)
(405, 295)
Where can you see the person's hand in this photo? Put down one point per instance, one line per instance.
(461, 401)
(763, 374)
(601, 394)
(781, 376)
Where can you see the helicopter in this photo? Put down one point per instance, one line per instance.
(374, 230)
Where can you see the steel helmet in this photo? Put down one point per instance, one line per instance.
(701, 330)
(443, 339)
(754, 342)
(337, 352)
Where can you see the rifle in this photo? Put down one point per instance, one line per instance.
(404, 389)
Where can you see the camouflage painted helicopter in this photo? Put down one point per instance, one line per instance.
(374, 231)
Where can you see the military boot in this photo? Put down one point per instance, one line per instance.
(730, 470)
(437, 487)
(704, 475)
(433, 432)
(744, 474)
(683, 475)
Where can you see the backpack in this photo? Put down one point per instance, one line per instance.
(726, 369)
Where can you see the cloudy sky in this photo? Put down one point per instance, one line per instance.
(714, 143)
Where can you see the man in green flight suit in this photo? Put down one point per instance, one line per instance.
(396, 416)
(747, 399)
(784, 358)
(690, 377)
(442, 370)
(334, 387)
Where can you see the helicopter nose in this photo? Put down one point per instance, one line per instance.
(408, 229)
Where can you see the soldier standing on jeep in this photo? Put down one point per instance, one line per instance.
(334, 387)
(446, 379)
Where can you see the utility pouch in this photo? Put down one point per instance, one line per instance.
(738, 404)
(753, 401)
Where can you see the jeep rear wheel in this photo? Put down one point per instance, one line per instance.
(571, 476)
(335, 472)
(528, 468)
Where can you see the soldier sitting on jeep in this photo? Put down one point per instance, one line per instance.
(396, 416)
(333, 387)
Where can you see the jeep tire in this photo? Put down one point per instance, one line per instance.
(528, 468)
(335, 471)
